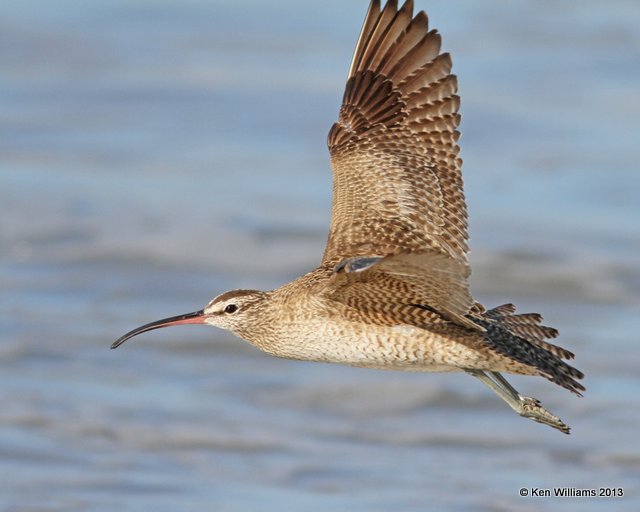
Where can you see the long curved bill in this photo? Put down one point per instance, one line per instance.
(197, 317)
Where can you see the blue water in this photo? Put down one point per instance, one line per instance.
(154, 154)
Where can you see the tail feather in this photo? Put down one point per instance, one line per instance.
(527, 326)
(522, 338)
(501, 311)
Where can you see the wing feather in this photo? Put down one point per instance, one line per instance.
(397, 287)
(394, 153)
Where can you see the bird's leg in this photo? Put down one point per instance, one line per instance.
(525, 406)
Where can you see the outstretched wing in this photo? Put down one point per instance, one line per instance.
(397, 185)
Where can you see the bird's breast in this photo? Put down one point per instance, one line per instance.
(399, 347)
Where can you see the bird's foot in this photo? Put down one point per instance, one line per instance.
(532, 408)
(525, 406)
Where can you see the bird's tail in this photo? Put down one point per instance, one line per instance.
(522, 338)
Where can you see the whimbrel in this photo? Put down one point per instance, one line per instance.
(391, 291)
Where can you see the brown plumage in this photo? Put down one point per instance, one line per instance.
(392, 287)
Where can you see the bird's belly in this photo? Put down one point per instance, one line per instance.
(400, 347)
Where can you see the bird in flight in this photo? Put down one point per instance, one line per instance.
(391, 291)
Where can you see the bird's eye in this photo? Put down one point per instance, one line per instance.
(230, 308)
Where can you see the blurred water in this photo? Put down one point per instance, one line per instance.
(154, 154)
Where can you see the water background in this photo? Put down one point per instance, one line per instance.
(156, 153)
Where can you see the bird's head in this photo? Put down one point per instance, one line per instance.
(235, 311)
